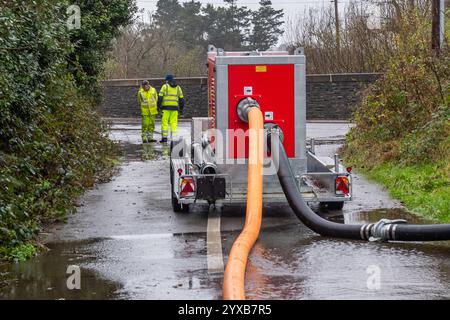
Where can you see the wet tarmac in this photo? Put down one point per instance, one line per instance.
(130, 245)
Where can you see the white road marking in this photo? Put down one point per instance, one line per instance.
(214, 243)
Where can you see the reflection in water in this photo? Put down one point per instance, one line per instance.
(151, 151)
(145, 152)
(312, 267)
(256, 280)
(161, 267)
(45, 277)
(376, 215)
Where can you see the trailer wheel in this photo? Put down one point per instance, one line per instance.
(178, 207)
(333, 205)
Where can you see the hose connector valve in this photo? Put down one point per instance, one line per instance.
(244, 107)
(384, 230)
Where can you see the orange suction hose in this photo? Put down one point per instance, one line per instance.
(234, 277)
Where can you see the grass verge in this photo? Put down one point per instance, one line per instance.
(424, 188)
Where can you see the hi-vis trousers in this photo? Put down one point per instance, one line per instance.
(148, 126)
(169, 117)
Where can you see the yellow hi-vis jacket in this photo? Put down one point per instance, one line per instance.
(170, 97)
(148, 101)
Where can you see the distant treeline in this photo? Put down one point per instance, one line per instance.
(177, 34)
(175, 37)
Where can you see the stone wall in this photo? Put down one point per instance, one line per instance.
(328, 96)
(335, 96)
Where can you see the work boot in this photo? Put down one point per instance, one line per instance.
(163, 140)
(151, 140)
(144, 140)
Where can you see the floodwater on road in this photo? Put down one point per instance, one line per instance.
(128, 244)
(307, 266)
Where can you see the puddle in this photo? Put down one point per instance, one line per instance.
(158, 266)
(371, 216)
(292, 262)
(45, 276)
(145, 152)
(392, 214)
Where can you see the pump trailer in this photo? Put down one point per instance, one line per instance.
(211, 165)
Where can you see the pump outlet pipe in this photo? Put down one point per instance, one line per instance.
(234, 277)
(383, 230)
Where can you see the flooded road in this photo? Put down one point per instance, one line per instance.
(307, 266)
(130, 245)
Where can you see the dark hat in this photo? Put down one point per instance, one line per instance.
(169, 77)
(145, 83)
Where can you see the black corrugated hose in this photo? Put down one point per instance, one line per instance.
(383, 230)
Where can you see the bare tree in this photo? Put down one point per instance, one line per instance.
(146, 49)
(361, 48)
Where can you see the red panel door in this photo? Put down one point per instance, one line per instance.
(273, 87)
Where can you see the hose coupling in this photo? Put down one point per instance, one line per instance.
(384, 230)
(244, 107)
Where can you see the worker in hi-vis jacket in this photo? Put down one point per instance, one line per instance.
(148, 100)
(170, 102)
